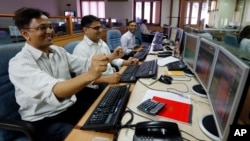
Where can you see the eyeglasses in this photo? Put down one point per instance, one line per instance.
(43, 27)
(96, 27)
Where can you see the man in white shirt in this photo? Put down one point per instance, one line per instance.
(128, 41)
(144, 28)
(47, 95)
(93, 44)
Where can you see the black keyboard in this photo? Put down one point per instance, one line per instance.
(178, 65)
(108, 113)
(157, 47)
(141, 55)
(147, 69)
(129, 74)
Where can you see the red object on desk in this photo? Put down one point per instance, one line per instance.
(175, 110)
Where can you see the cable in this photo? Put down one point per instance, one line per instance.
(191, 135)
(167, 89)
(140, 115)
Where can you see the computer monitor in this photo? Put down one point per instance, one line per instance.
(158, 38)
(190, 52)
(225, 94)
(69, 13)
(173, 33)
(207, 54)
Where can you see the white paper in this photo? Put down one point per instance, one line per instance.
(169, 59)
(185, 98)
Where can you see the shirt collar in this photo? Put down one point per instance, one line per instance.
(90, 42)
(36, 52)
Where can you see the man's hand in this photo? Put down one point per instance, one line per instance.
(113, 78)
(117, 53)
(130, 61)
(98, 65)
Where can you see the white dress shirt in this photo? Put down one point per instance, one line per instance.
(144, 29)
(34, 74)
(87, 48)
(245, 45)
(128, 42)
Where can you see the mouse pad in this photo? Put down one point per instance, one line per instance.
(175, 110)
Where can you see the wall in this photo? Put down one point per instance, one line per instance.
(9, 6)
(113, 9)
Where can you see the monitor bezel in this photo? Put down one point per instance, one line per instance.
(223, 135)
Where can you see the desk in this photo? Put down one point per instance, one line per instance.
(201, 107)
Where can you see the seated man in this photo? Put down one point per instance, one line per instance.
(93, 44)
(47, 95)
(144, 28)
(128, 41)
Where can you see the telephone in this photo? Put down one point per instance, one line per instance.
(157, 131)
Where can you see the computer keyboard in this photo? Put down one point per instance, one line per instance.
(147, 69)
(108, 113)
(157, 47)
(129, 74)
(141, 55)
(178, 65)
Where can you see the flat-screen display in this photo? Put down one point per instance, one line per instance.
(173, 33)
(190, 50)
(158, 38)
(69, 13)
(226, 89)
(207, 54)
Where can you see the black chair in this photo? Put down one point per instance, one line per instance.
(12, 128)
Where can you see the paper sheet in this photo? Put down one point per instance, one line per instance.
(185, 98)
(164, 61)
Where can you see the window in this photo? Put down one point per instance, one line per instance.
(149, 10)
(96, 8)
(196, 11)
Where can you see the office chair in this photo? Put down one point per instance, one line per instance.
(5, 37)
(113, 38)
(231, 40)
(142, 39)
(11, 126)
(70, 46)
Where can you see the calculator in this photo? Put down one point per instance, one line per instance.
(150, 106)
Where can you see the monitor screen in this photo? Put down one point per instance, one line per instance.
(69, 13)
(158, 38)
(228, 81)
(207, 54)
(173, 34)
(190, 50)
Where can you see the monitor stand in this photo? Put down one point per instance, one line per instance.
(198, 90)
(207, 125)
(188, 72)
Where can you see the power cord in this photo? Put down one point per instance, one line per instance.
(191, 136)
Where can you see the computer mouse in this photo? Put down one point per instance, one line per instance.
(166, 79)
(165, 54)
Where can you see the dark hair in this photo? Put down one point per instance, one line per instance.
(245, 33)
(23, 16)
(87, 20)
(130, 22)
(144, 21)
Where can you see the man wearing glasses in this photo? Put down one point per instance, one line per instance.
(47, 95)
(92, 44)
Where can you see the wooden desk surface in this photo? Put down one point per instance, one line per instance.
(201, 107)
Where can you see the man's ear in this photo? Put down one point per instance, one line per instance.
(24, 33)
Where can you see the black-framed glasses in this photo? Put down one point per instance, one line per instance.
(95, 28)
(43, 27)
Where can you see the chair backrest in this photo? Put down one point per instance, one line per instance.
(5, 37)
(113, 38)
(8, 106)
(138, 35)
(70, 46)
(231, 40)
